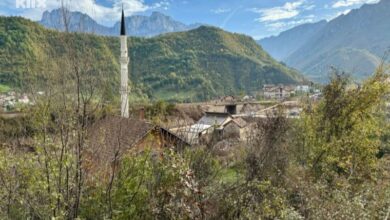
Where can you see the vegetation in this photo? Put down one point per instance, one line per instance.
(4, 88)
(332, 163)
(345, 129)
(194, 65)
(324, 166)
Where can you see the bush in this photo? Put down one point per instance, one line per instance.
(341, 135)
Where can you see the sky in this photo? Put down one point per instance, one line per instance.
(257, 18)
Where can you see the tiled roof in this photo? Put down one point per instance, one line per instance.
(240, 122)
(118, 131)
(111, 137)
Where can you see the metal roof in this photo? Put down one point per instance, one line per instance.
(214, 118)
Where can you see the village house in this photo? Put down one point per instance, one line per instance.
(113, 137)
(248, 98)
(9, 100)
(302, 88)
(131, 133)
(228, 98)
(23, 99)
(202, 131)
(278, 91)
(236, 128)
(214, 126)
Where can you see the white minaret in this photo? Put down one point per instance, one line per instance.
(124, 90)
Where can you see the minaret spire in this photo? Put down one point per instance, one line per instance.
(124, 60)
(123, 24)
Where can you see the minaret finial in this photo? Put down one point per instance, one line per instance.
(123, 25)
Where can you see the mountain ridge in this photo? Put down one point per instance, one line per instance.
(354, 43)
(137, 25)
(282, 45)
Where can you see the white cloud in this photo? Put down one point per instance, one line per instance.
(100, 13)
(348, 3)
(163, 5)
(281, 26)
(221, 10)
(345, 12)
(335, 15)
(287, 11)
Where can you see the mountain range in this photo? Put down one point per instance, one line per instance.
(136, 25)
(355, 43)
(199, 64)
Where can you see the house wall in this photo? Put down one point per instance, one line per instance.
(245, 132)
(277, 94)
(232, 131)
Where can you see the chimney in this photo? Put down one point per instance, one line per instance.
(231, 109)
(142, 113)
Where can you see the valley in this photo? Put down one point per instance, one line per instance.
(151, 118)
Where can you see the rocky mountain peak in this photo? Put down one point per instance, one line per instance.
(137, 25)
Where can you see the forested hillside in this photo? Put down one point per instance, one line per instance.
(199, 64)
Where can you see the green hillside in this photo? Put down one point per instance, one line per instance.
(194, 65)
(358, 61)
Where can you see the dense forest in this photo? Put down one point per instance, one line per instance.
(194, 65)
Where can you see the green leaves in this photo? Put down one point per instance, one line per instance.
(206, 62)
(342, 133)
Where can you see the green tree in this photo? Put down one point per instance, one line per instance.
(341, 135)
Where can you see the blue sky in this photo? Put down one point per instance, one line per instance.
(257, 18)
